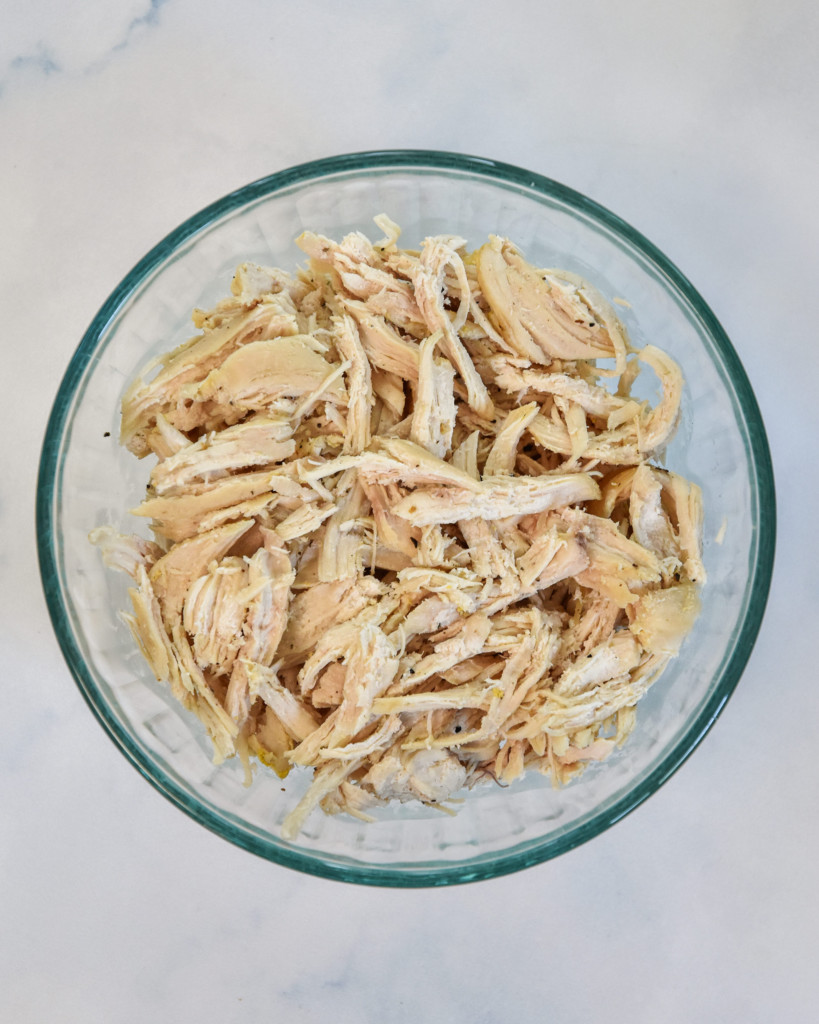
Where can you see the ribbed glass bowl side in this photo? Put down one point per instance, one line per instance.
(87, 480)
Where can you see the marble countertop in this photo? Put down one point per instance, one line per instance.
(697, 123)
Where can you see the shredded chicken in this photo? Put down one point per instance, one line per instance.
(407, 534)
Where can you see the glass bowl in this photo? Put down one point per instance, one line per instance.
(86, 480)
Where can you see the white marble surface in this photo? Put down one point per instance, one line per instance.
(698, 123)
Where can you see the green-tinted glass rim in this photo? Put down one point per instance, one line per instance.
(763, 513)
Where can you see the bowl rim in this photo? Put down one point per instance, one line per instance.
(439, 872)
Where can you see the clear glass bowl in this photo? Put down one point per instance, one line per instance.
(86, 480)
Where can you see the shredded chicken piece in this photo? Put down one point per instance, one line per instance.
(433, 415)
(542, 317)
(408, 535)
(428, 280)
